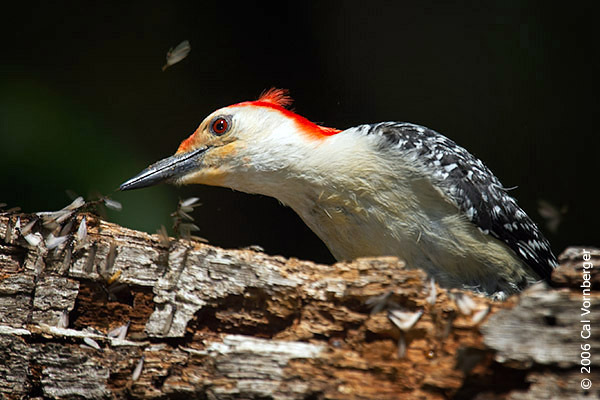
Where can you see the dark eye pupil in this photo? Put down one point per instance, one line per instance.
(220, 125)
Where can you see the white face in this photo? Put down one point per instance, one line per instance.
(248, 146)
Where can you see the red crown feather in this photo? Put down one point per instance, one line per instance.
(279, 97)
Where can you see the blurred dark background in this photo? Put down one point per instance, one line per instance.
(84, 104)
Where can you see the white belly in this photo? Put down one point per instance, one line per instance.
(439, 240)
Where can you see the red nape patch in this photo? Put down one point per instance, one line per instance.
(279, 97)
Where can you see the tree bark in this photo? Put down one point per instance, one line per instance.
(209, 323)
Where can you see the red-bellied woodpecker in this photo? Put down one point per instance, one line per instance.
(385, 189)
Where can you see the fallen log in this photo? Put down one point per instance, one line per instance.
(118, 313)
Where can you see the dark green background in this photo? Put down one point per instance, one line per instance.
(84, 104)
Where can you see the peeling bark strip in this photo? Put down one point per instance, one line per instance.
(204, 322)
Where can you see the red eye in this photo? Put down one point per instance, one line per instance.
(220, 126)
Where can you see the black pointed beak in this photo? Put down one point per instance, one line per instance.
(165, 170)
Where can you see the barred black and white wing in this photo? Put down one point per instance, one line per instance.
(473, 188)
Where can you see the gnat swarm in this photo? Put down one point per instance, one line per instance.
(384, 189)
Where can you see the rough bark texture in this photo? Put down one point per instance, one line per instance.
(210, 323)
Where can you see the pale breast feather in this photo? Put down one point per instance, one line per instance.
(472, 187)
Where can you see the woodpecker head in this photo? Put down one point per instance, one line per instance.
(235, 144)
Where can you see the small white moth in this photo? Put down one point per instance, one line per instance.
(174, 55)
(77, 203)
(552, 214)
(119, 332)
(465, 303)
(111, 256)
(62, 215)
(380, 302)
(92, 343)
(404, 320)
(112, 204)
(163, 236)
(123, 333)
(34, 239)
(431, 297)
(480, 315)
(82, 231)
(9, 229)
(138, 370)
(53, 242)
(63, 321)
(66, 229)
(67, 259)
(187, 206)
(27, 228)
(190, 202)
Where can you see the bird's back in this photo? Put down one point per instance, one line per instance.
(419, 196)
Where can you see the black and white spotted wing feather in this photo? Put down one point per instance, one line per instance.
(473, 188)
